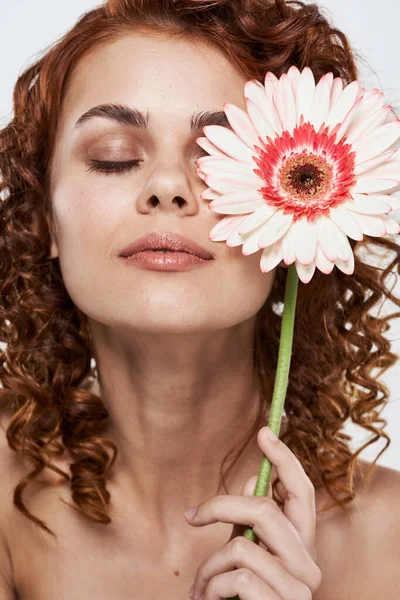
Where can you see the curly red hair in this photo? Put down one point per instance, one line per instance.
(48, 363)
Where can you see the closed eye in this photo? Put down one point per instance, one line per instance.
(110, 167)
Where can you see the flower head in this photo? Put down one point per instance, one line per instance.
(302, 169)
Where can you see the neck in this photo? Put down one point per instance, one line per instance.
(177, 406)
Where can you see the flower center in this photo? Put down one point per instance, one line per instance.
(305, 175)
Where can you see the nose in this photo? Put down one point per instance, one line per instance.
(172, 188)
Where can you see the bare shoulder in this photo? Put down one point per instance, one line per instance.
(7, 481)
(359, 555)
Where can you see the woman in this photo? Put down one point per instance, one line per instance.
(102, 151)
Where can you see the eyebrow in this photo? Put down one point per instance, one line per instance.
(132, 117)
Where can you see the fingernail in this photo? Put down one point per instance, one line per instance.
(270, 435)
(191, 589)
(189, 514)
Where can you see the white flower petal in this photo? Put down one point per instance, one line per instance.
(346, 266)
(285, 104)
(394, 201)
(270, 85)
(275, 228)
(213, 164)
(366, 123)
(250, 241)
(303, 237)
(294, 76)
(204, 143)
(373, 225)
(305, 94)
(259, 122)
(369, 205)
(343, 104)
(227, 141)
(337, 88)
(262, 214)
(322, 262)
(265, 105)
(221, 231)
(346, 222)
(288, 253)
(332, 240)
(209, 194)
(305, 272)
(392, 226)
(225, 183)
(368, 165)
(367, 185)
(388, 170)
(270, 258)
(238, 202)
(240, 121)
(376, 141)
(321, 102)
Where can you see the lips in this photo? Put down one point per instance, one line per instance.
(166, 240)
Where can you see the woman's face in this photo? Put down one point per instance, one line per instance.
(96, 215)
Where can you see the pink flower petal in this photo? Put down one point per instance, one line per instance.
(250, 242)
(240, 122)
(227, 141)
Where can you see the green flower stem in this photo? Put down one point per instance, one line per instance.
(281, 382)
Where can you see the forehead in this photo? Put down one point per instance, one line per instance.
(159, 74)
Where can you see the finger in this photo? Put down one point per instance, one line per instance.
(299, 505)
(243, 583)
(249, 486)
(269, 524)
(242, 553)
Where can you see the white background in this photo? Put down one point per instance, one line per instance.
(27, 28)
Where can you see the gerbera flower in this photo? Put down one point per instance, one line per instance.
(304, 168)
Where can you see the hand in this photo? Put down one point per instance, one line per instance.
(283, 566)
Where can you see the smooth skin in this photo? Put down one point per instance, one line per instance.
(284, 568)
